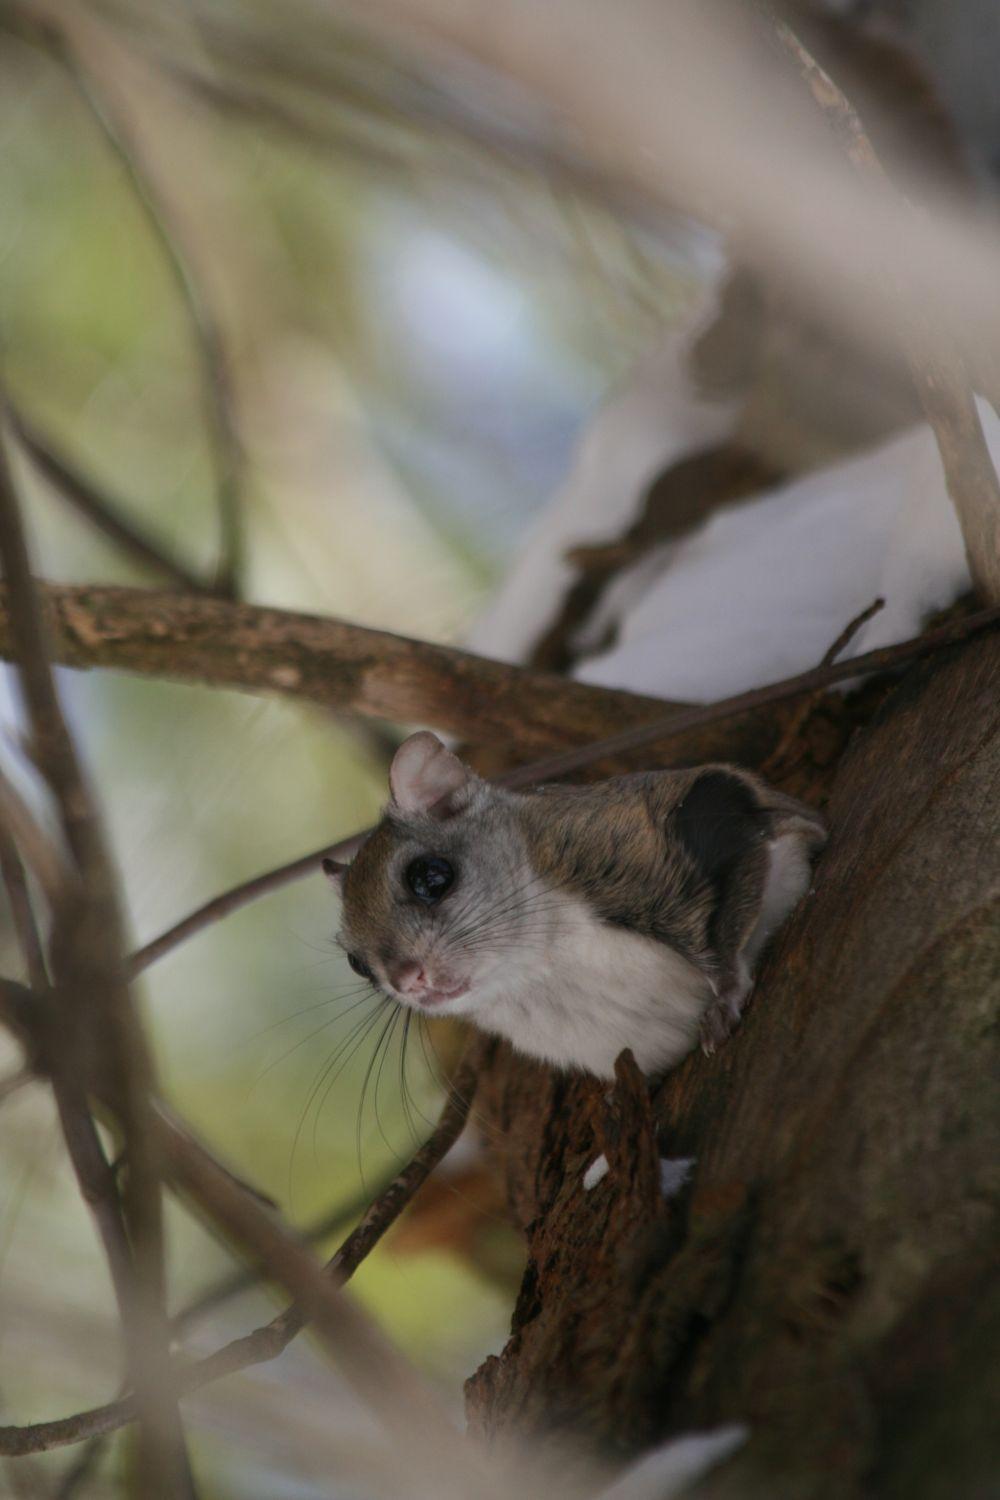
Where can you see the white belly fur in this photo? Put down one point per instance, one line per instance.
(596, 989)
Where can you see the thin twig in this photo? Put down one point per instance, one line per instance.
(107, 515)
(850, 630)
(932, 354)
(47, 865)
(660, 733)
(97, 1186)
(244, 1279)
(793, 729)
(883, 659)
(22, 913)
(238, 896)
(93, 1023)
(74, 49)
(268, 1341)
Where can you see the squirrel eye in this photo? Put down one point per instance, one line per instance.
(359, 966)
(429, 878)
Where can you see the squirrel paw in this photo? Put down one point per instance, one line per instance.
(723, 1015)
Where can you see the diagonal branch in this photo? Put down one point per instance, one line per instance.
(683, 720)
(269, 1341)
(328, 662)
(97, 1185)
(334, 1221)
(107, 515)
(91, 1030)
(15, 882)
(84, 53)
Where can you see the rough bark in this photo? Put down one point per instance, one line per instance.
(514, 714)
(328, 662)
(827, 1277)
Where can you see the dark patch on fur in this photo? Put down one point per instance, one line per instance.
(718, 821)
(721, 824)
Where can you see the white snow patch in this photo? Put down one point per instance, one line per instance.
(598, 1168)
(674, 1173)
(761, 590)
(667, 1471)
(655, 418)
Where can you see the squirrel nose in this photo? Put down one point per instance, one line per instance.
(408, 977)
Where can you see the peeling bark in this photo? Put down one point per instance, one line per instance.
(827, 1277)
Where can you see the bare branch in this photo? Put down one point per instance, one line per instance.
(97, 1186)
(337, 665)
(22, 913)
(97, 1032)
(242, 1279)
(239, 896)
(781, 750)
(683, 720)
(46, 863)
(83, 50)
(934, 359)
(269, 1341)
(381, 1375)
(107, 515)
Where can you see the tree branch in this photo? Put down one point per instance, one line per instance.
(22, 914)
(780, 753)
(244, 1278)
(103, 513)
(239, 896)
(933, 356)
(92, 1031)
(756, 167)
(328, 662)
(684, 720)
(268, 1341)
(46, 863)
(83, 49)
(97, 1186)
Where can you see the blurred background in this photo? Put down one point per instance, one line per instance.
(415, 331)
(420, 308)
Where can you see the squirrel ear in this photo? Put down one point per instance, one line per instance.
(426, 778)
(335, 873)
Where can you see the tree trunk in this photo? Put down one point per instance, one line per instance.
(826, 1278)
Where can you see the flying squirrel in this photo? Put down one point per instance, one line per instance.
(575, 920)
